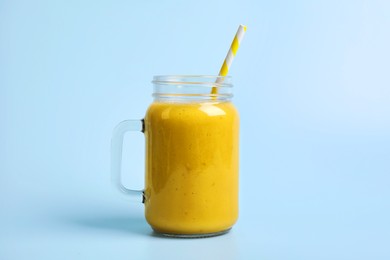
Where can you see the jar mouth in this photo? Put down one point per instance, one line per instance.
(192, 88)
(208, 81)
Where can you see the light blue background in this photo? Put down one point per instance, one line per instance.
(313, 89)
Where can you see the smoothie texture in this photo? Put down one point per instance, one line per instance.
(191, 184)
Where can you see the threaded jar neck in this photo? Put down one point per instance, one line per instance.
(187, 88)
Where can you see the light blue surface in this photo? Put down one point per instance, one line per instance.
(312, 86)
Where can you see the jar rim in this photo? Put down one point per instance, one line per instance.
(201, 80)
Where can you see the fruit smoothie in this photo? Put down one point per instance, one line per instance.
(191, 167)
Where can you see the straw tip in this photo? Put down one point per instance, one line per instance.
(243, 27)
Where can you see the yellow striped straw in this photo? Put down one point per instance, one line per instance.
(230, 56)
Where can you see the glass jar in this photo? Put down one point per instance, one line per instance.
(192, 141)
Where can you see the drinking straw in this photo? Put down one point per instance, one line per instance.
(230, 56)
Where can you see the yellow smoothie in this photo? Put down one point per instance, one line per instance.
(191, 167)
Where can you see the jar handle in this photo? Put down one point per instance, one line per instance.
(116, 156)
